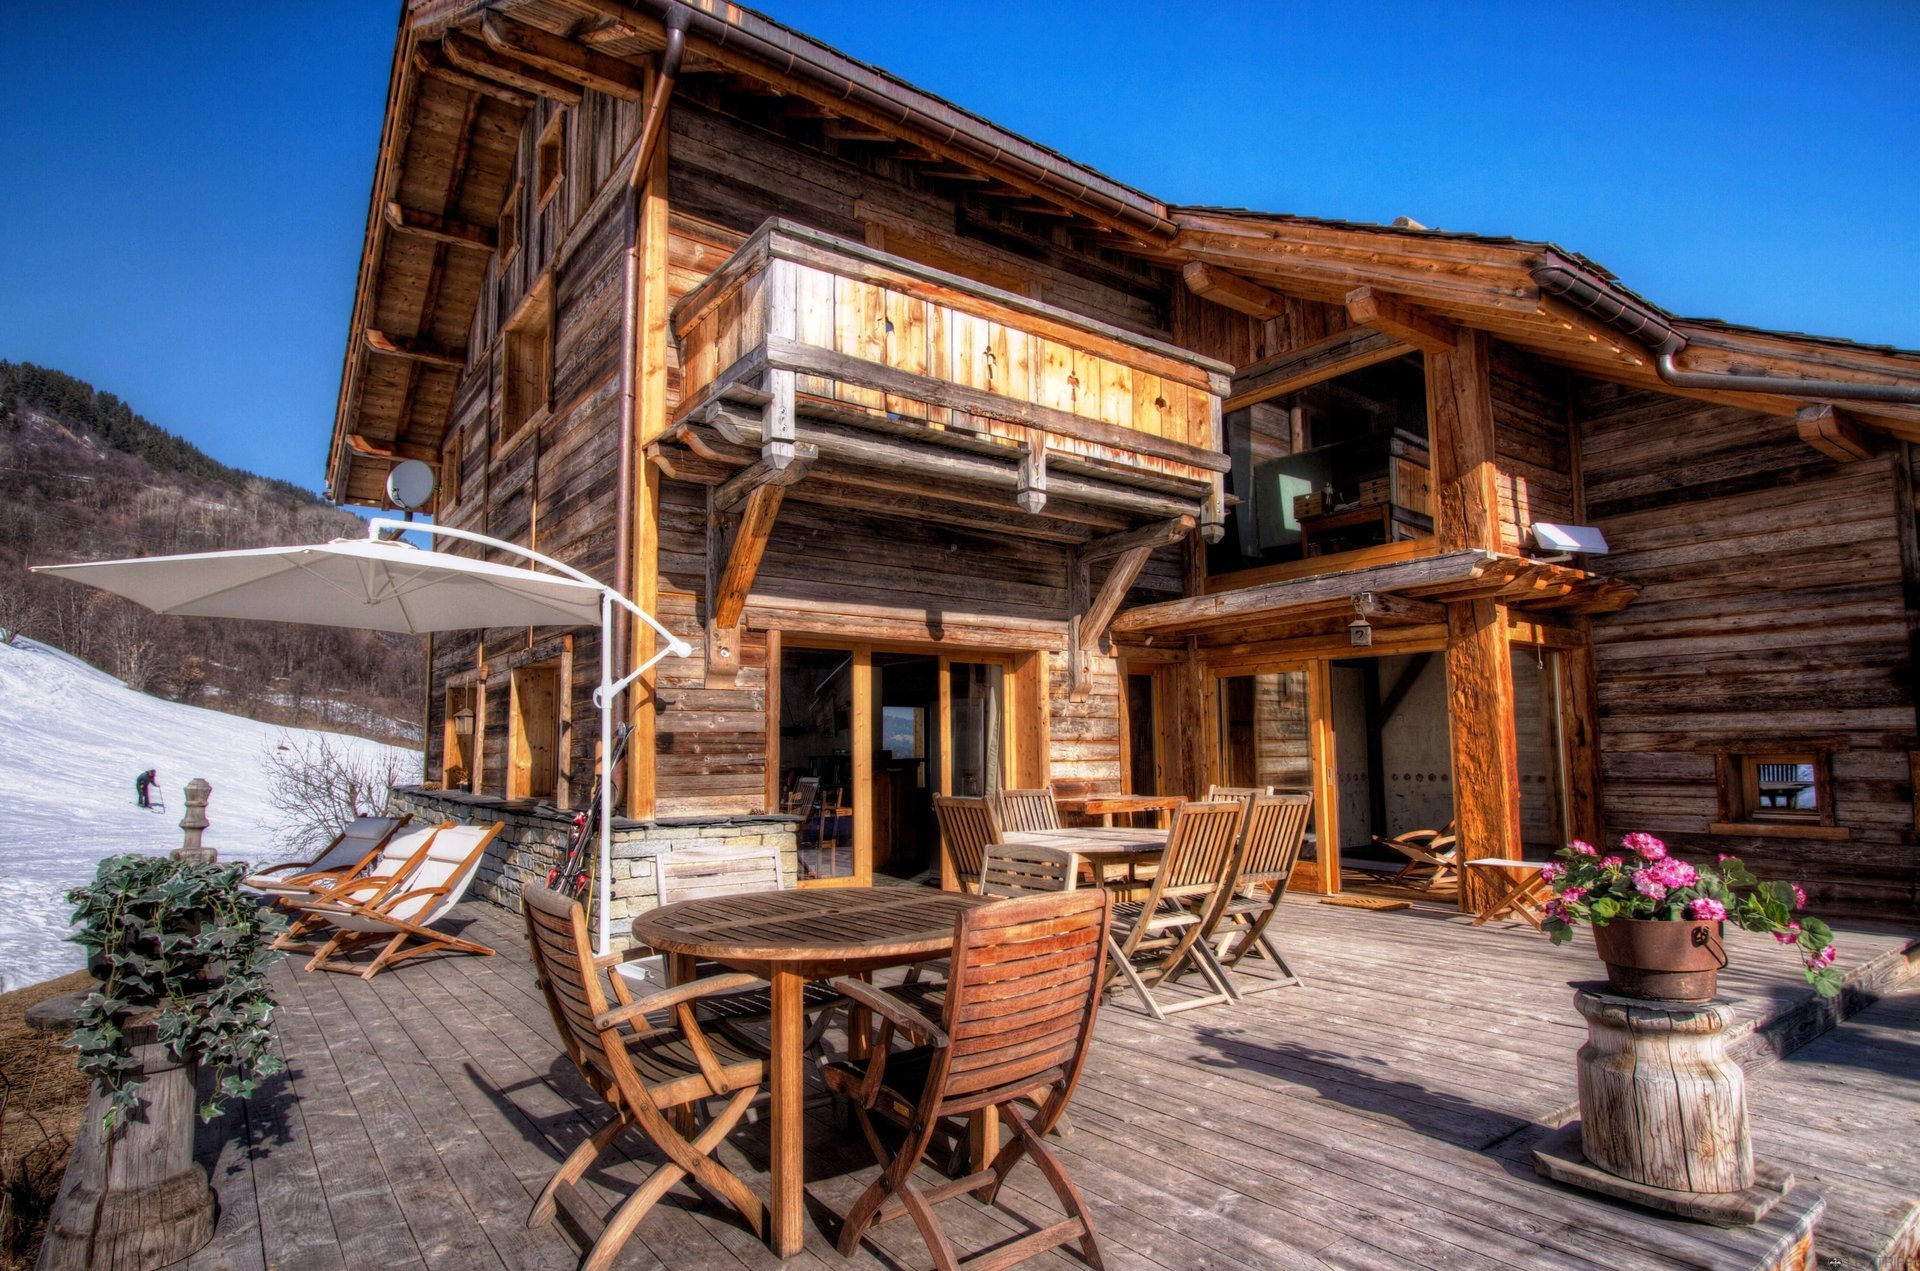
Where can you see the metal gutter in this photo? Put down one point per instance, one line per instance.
(1641, 323)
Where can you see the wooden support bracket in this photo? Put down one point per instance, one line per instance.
(431, 59)
(441, 229)
(1087, 630)
(1835, 434)
(570, 61)
(736, 489)
(475, 58)
(1390, 316)
(1381, 604)
(414, 350)
(1160, 534)
(733, 558)
(362, 445)
(1031, 492)
(1231, 290)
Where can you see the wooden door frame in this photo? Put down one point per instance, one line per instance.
(1015, 760)
(1156, 673)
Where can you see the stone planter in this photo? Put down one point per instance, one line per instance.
(1662, 961)
(134, 1200)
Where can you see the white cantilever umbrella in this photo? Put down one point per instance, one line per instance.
(381, 585)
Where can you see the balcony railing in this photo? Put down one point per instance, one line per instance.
(802, 345)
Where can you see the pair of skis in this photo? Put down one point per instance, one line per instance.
(573, 875)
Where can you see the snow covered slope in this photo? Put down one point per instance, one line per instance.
(72, 739)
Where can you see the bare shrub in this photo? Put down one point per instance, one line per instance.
(318, 785)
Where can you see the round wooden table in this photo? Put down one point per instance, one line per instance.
(789, 938)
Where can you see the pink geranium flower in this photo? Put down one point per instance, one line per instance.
(1823, 959)
(1573, 893)
(1611, 862)
(1647, 885)
(1706, 909)
(1799, 896)
(1583, 848)
(1644, 845)
(1791, 934)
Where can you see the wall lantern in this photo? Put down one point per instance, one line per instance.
(463, 722)
(1360, 633)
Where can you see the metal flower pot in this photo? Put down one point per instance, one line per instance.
(1664, 961)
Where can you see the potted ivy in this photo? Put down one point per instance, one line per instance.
(179, 952)
(1657, 920)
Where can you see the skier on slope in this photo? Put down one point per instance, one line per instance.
(142, 784)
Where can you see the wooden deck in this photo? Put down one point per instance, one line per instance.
(1381, 1113)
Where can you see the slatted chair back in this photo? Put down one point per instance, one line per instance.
(696, 873)
(563, 967)
(1021, 1000)
(967, 825)
(1276, 830)
(802, 797)
(1217, 793)
(1019, 870)
(1028, 810)
(1201, 850)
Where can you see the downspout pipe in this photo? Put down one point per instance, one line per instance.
(652, 128)
(1641, 324)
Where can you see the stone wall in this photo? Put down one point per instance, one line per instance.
(535, 838)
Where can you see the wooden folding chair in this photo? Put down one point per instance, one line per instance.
(350, 852)
(967, 825)
(644, 1070)
(403, 913)
(388, 867)
(1019, 1013)
(1165, 928)
(1431, 854)
(1276, 829)
(1217, 793)
(1028, 810)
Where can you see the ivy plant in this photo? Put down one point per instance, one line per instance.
(186, 943)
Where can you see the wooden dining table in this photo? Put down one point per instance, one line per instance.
(1108, 806)
(1102, 847)
(789, 938)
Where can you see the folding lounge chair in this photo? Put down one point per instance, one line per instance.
(645, 1072)
(351, 851)
(1430, 854)
(403, 913)
(389, 866)
(1037, 960)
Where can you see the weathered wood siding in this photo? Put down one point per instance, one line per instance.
(1771, 612)
(1532, 448)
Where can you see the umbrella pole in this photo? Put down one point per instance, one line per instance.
(606, 776)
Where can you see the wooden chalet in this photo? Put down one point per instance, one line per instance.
(963, 466)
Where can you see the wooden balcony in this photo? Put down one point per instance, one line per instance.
(806, 354)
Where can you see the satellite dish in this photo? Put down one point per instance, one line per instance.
(410, 484)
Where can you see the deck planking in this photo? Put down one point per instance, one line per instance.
(1377, 1116)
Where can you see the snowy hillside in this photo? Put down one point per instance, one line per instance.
(72, 739)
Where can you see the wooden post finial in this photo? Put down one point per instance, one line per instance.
(194, 824)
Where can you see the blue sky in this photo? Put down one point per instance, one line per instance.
(186, 186)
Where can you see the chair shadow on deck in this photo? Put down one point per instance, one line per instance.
(1366, 1085)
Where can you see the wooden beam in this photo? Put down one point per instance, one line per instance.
(1224, 287)
(1480, 729)
(1370, 308)
(441, 229)
(1289, 372)
(1835, 434)
(583, 66)
(1151, 537)
(392, 450)
(431, 59)
(475, 58)
(1030, 487)
(1089, 628)
(413, 350)
(733, 560)
(1381, 604)
(736, 489)
(1460, 423)
(1438, 571)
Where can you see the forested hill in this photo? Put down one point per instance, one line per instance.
(83, 476)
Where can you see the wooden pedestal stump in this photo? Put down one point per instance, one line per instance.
(134, 1200)
(1663, 1113)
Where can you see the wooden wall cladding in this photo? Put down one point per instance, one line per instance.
(1532, 450)
(1771, 612)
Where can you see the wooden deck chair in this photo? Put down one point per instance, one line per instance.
(1164, 929)
(967, 825)
(387, 868)
(1432, 854)
(403, 914)
(351, 851)
(643, 1069)
(1276, 829)
(1217, 793)
(1010, 870)
(1019, 1013)
(1028, 810)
